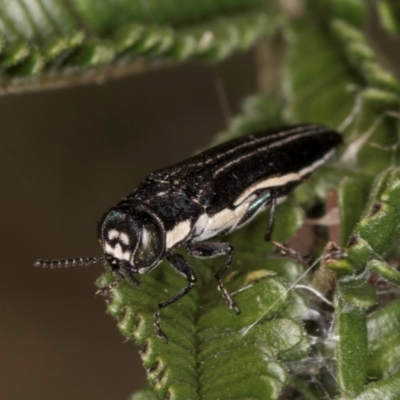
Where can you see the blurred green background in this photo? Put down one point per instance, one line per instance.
(66, 156)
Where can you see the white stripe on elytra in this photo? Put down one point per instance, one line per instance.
(259, 141)
(260, 149)
(178, 233)
(208, 226)
(225, 220)
(281, 180)
(268, 183)
(316, 164)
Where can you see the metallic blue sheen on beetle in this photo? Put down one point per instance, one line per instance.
(205, 196)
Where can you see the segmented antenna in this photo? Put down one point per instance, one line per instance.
(67, 262)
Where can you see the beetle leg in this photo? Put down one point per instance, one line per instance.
(185, 269)
(210, 250)
(126, 272)
(271, 221)
(288, 252)
(123, 272)
(105, 291)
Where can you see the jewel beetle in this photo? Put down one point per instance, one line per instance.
(208, 195)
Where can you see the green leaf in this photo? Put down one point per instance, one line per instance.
(389, 13)
(369, 68)
(317, 77)
(388, 389)
(199, 353)
(351, 348)
(381, 227)
(357, 292)
(329, 51)
(145, 394)
(384, 341)
(204, 333)
(353, 11)
(351, 202)
(385, 271)
(374, 233)
(58, 41)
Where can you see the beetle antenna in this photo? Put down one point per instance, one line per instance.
(67, 262)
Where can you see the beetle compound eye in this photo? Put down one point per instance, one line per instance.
(150, 246)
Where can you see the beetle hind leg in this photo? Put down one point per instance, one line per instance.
(284, 250)
(211, 250)
(271, 220)
(288, 252)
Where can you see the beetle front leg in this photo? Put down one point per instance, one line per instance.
(210, 250)
(184, 268)
(124, 271)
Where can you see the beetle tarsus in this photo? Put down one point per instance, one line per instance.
(157, 327)
(288, 252)
(210, 250)
(106, 290)
(227, 297)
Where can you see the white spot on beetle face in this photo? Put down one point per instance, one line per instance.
(124, 238)
(117, 252)
(113, 234)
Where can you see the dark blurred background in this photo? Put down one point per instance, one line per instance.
(65, 157)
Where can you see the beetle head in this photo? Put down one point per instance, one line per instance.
(131, 236)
